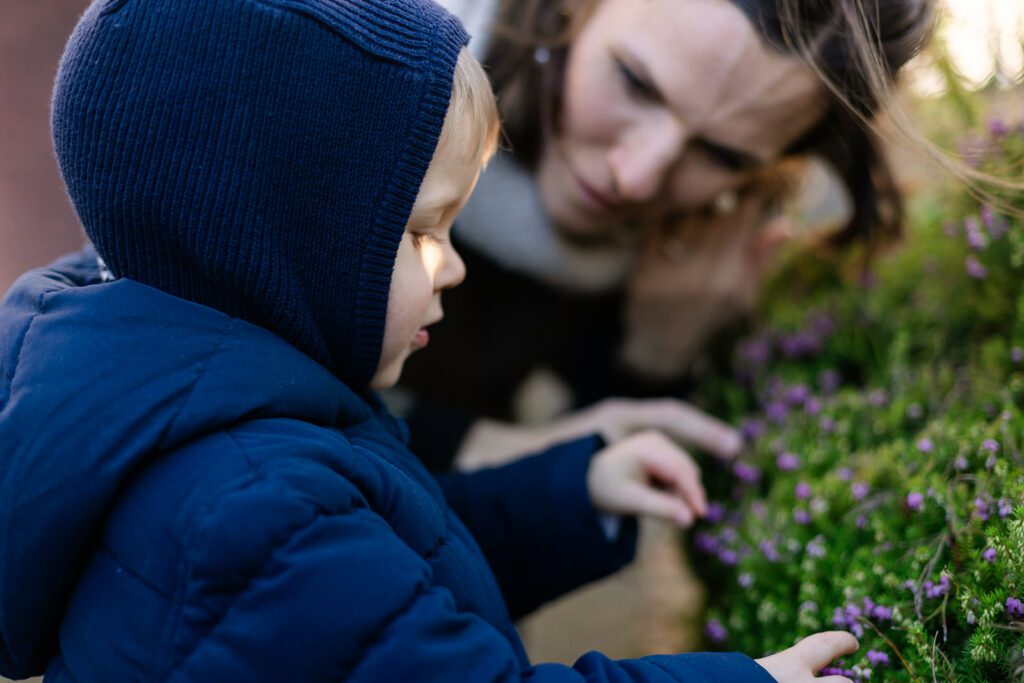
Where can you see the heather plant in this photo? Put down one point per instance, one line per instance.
(883, 490)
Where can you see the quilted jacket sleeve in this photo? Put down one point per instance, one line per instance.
(536, 525)
(332, 595)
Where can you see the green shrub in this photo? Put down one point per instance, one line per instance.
(883, 491)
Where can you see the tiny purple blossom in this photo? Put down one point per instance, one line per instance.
(803, 491)
(728, 557)
(797, 395)
(975, 237)
(812, 406)
(1016, 354)
(989, 555)
(981, 508)
(878, 398)
(1005, 508)
(1014, 608)
(802, 517)
(776, 412)
(990, 445)
(998, 128)
(961, 463)
(829, 381)
(716, 632)
(996, 225)
(769, 551)
(878, 658)
(816, 548)
(844, 474)
(862, 521)
(881, 613)
(716, 513)
(705, 542)
(974, 268)
(746, 580)
(788, 462)
(747, 473)
(915, 500)
(752, 429)
(860, 490)
(827, 425)
(925, 445)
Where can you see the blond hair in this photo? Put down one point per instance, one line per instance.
(472, 109)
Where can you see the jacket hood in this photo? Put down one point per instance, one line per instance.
(97, 379)
(259, 157)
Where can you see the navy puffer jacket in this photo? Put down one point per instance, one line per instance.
(186, 497)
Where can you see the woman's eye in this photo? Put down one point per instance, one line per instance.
(725, 158)
(636, 85)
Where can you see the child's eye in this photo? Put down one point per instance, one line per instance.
(419, 237)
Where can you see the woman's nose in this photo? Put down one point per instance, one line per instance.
(643, 157)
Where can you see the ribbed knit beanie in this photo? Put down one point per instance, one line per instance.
(260, 157)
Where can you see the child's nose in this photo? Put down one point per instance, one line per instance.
(453, 269)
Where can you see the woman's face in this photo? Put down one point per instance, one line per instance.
(667, 103)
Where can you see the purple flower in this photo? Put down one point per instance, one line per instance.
(974, 268)
(860, 490)
(937, 590)
(915, 500)
(878, 658)
(769, 551)
(802, 517)
(808, 606)
(1014, 608)
(844, 474)
(776, 411)
(747, 473)
(1005, 508)
(716, 513)
(829, 381)
(961, 463)
(715, 631)
(998, 128)
(881, 613)
(827, 424)
(925, 445)
(728, 556)
(788, 462)
(1016, 354)
(705, 542)
(975, 237)
(752, 429)
(990, 445)
(798, 394)
(746, 580)
(995, 224)
(989, 555)
(862, 521)
(812, 406)
(816, 548)
(981, 508)
(878, 398)
(803, 491)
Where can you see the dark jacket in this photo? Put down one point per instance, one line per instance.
(186, 497)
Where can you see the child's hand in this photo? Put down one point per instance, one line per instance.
(800, 662)
(647, 474)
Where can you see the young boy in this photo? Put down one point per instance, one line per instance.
(197, 481)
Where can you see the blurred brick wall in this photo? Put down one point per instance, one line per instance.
(36, 220)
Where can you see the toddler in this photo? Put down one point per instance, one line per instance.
(197, 480)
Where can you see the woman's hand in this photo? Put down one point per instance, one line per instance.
(647, 474)
(704, 274)
(800, 663)
(490, 442)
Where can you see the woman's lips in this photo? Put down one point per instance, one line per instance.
(593, 197)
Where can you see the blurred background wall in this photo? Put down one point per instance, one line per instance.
(36, 219)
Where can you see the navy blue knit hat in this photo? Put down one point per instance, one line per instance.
(260, 157)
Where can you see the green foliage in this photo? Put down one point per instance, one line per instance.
(884, 488)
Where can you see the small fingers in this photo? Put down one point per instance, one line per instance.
(694, 427)
(819, 650)
(668, 463)
(645, 500)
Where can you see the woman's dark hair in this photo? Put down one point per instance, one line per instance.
(855, 46)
